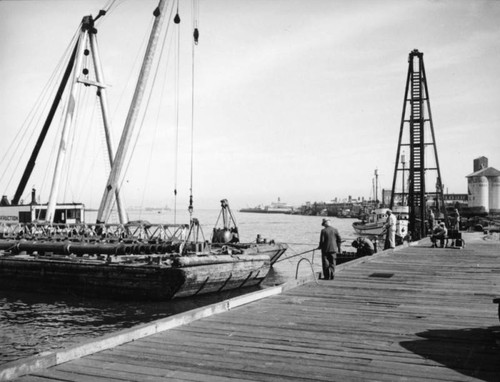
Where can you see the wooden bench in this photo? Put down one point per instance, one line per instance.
(441, 242)
(456, 239)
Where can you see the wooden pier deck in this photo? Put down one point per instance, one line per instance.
(415, 314)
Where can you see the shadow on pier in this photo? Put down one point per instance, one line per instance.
(472, 352)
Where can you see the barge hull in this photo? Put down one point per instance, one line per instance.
(133, 282)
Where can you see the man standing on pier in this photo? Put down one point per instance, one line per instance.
(390, 230)
(329, 243)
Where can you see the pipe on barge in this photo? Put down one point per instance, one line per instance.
(80, 249)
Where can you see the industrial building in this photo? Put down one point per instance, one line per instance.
(484, 188)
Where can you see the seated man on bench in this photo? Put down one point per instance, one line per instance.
(439, 233)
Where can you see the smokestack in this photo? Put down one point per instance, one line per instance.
(33, 197)
(480, 163)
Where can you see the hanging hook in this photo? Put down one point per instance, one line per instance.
(190, 208)
(196, 35)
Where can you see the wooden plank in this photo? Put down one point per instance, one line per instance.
(120, 371)
(33, 364)
(271, 368)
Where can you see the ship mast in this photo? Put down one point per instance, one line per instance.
(87, 34)
(68, 123)
(101, 93)
(116, 170)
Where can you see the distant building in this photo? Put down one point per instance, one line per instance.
(484, 187)
(452, 199)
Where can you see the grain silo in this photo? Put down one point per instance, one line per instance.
(494, 194)
(484, 187)
(478, 192)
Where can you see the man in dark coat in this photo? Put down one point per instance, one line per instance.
(329, 243)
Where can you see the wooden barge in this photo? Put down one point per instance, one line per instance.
(48, 246)
(129, 262)
(149, 279)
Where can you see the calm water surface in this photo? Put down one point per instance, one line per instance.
(31, 323)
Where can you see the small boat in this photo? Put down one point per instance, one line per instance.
(373, 224)
(345, 257)
(46, 247)
(275, 208)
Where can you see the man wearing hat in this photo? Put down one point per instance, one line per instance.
(329, 243)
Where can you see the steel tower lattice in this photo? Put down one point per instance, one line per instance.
(416, 120)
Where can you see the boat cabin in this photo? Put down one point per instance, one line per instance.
(68, 213)
(401, 212)
(378, 215)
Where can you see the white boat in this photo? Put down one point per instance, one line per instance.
(278, 207)
(373, 225)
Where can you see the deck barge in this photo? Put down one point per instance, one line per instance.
(413, 314)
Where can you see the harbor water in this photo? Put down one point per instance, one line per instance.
(35, 322)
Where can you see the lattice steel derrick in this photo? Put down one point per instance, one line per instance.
(417, 135)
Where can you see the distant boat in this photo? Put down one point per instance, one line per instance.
(275, 208)
(157, 209)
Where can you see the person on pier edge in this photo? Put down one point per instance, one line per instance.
(364, 246)
(390, 230)
(432, 220)
(329, 243)
(455, 220)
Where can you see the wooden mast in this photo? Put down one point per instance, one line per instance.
(104, 109)
(116, 170)
(68, 123)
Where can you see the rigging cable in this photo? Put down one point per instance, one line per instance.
(196, 35)
(35, 113)
(156, 124)
(22, 134)
(83, 103)
(177, 21)
(106, 10)
(53, 153)
(111, 3)
(147, 102)
(81, 100)
(84, 129)
(52, 162)
(93, 152)
(120, 102)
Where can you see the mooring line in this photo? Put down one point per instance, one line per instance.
(298, 254)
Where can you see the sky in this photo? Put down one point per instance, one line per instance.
(298, 100)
